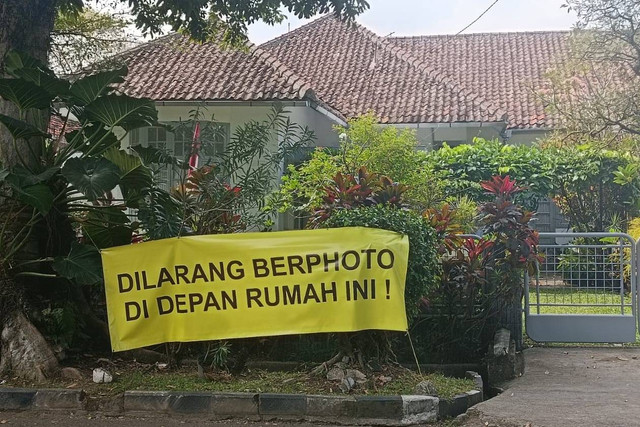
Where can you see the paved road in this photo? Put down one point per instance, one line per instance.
(49, 419)
(569, 387)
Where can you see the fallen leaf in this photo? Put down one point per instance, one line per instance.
(3, 421)
(72, 385)
(624, 359)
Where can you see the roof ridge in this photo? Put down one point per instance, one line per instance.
(281, 37)
(482, 33)
(437, 75)
(299, 84)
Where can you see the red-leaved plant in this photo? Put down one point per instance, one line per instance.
(363, 188)
(481, 276)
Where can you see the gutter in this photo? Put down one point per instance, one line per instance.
(334, 117)
(298, 103)
(286, 103)
(447, 125)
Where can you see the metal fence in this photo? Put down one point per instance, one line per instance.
(584, 290)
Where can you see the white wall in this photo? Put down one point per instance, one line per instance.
(237, 115)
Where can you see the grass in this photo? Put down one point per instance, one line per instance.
(402, 381)
(574, 297)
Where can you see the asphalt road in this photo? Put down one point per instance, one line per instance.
(41, 419)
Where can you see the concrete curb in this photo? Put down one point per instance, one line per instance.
(462, 402)
(22, 398)
(352, 410)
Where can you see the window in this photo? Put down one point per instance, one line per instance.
(213, 136)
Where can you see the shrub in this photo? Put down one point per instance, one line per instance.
(423, 269)
(595, 188)
(381, 150)
(481, 278)
(464, 167)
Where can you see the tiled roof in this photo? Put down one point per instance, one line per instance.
(174, 68)
(57, 124)
(351, 71)
(506, 68)
(355, 71)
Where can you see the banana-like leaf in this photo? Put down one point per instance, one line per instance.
(83, 264)
(107, 227)
(91, 176)
(25, 94)
(25, 67)
(22, 177)
(88, 89)
(38, 196)
(135, 177)
(121, 110)
(20, 129)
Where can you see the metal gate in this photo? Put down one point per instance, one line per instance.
(584, 290)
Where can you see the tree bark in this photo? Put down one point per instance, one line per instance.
(25, 25)
(23, 350)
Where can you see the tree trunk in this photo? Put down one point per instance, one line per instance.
(25, 25)
(23, 350)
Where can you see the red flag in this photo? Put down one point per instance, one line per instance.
(195, 149)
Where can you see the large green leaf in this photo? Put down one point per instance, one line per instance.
(38, 196)
(16, 62)
(22, 177)
(20, 129)
(121, 110)
(155, 156)
(87, 89)
(3, 174)
(25, 94)
(25, 67)
(83, 264)
(91, 176)
(160, 216)
(95, 139)
(107, 227)
(134, 176)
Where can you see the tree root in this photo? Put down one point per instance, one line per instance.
(324, 366)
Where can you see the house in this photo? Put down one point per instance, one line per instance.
(448, 88)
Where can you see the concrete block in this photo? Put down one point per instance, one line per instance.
(147, 401)
(283, 404)
(331, 406)
(59, 399)
(16, 398)
(190, 403)
(241, 404)
(454, 407)
(419, 409)
(473, 397)
(383, 407)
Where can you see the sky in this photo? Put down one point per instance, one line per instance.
(420, 17)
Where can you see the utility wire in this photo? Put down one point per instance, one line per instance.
(478, 18)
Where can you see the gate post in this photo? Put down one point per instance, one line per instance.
(510, 317)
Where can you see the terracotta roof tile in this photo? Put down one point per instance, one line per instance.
(351, 71)
(506, 68)
(174, 68)
(355, 71)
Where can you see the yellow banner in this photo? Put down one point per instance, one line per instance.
(255, 284)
